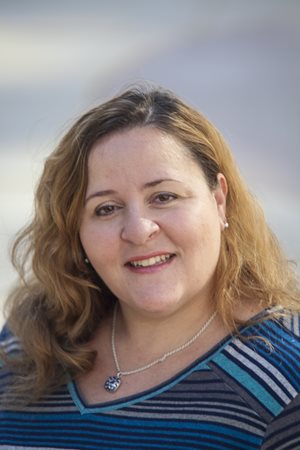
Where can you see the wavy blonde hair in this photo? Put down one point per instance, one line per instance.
(60, 301)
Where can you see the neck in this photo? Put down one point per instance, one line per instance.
(113, 383)
(157, 335)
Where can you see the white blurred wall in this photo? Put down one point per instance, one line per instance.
(235, 60)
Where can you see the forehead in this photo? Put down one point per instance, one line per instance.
(138, 146)
(139, 157)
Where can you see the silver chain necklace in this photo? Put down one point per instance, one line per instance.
(113, 383)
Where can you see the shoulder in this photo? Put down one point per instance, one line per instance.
(274, 344)
(283, 431)
(278, 330)
(291, 322)
(262, 364)
(9, 344)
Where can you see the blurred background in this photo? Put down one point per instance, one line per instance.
(237, 61)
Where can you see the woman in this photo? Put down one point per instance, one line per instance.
(159, 311)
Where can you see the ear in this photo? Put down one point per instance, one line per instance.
(220, 194)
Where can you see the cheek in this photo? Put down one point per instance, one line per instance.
(203, 235)
(97, 243)
(87, 235)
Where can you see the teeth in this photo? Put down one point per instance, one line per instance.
(150, 261)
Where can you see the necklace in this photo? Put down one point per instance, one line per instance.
(113, 383)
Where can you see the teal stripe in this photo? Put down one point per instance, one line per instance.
(249, 383)
(118, 404)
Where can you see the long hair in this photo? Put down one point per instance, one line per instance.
(60, 300)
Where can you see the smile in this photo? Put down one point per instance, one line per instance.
(153, 261)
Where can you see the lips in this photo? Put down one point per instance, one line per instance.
(150, 261)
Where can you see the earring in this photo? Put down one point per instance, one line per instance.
(226, 225)
(86, 260)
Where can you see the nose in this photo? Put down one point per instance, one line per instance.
(138, 229)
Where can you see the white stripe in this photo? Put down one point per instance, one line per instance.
(205, 412)
(169, 403)
(296, 328)
(272, 369)
(10, 344)
(261, 373)
(292, 323)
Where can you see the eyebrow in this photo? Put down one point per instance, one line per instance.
(112, 192)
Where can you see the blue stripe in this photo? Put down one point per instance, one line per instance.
(266, 368)
(76, 423)
(84, 409)
(83, 427)
(283, 357)
(249, 383)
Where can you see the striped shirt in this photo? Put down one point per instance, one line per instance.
(243, 394)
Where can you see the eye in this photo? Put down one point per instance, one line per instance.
(106, 210)
(163, 198)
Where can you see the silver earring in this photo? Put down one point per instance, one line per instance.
(86, 260)
(226, 225)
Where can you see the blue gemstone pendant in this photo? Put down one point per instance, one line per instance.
(112, 384)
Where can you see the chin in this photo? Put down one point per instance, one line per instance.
(158, 308)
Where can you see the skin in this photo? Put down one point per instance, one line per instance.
(151, 227)
(146, 197)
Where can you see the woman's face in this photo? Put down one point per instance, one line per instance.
(151, 226)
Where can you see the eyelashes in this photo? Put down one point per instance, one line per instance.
(164, 197)
(159, 199)
(106, 210)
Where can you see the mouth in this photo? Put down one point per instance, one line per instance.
(152, 261)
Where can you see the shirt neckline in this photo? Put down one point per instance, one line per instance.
(199, 363)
